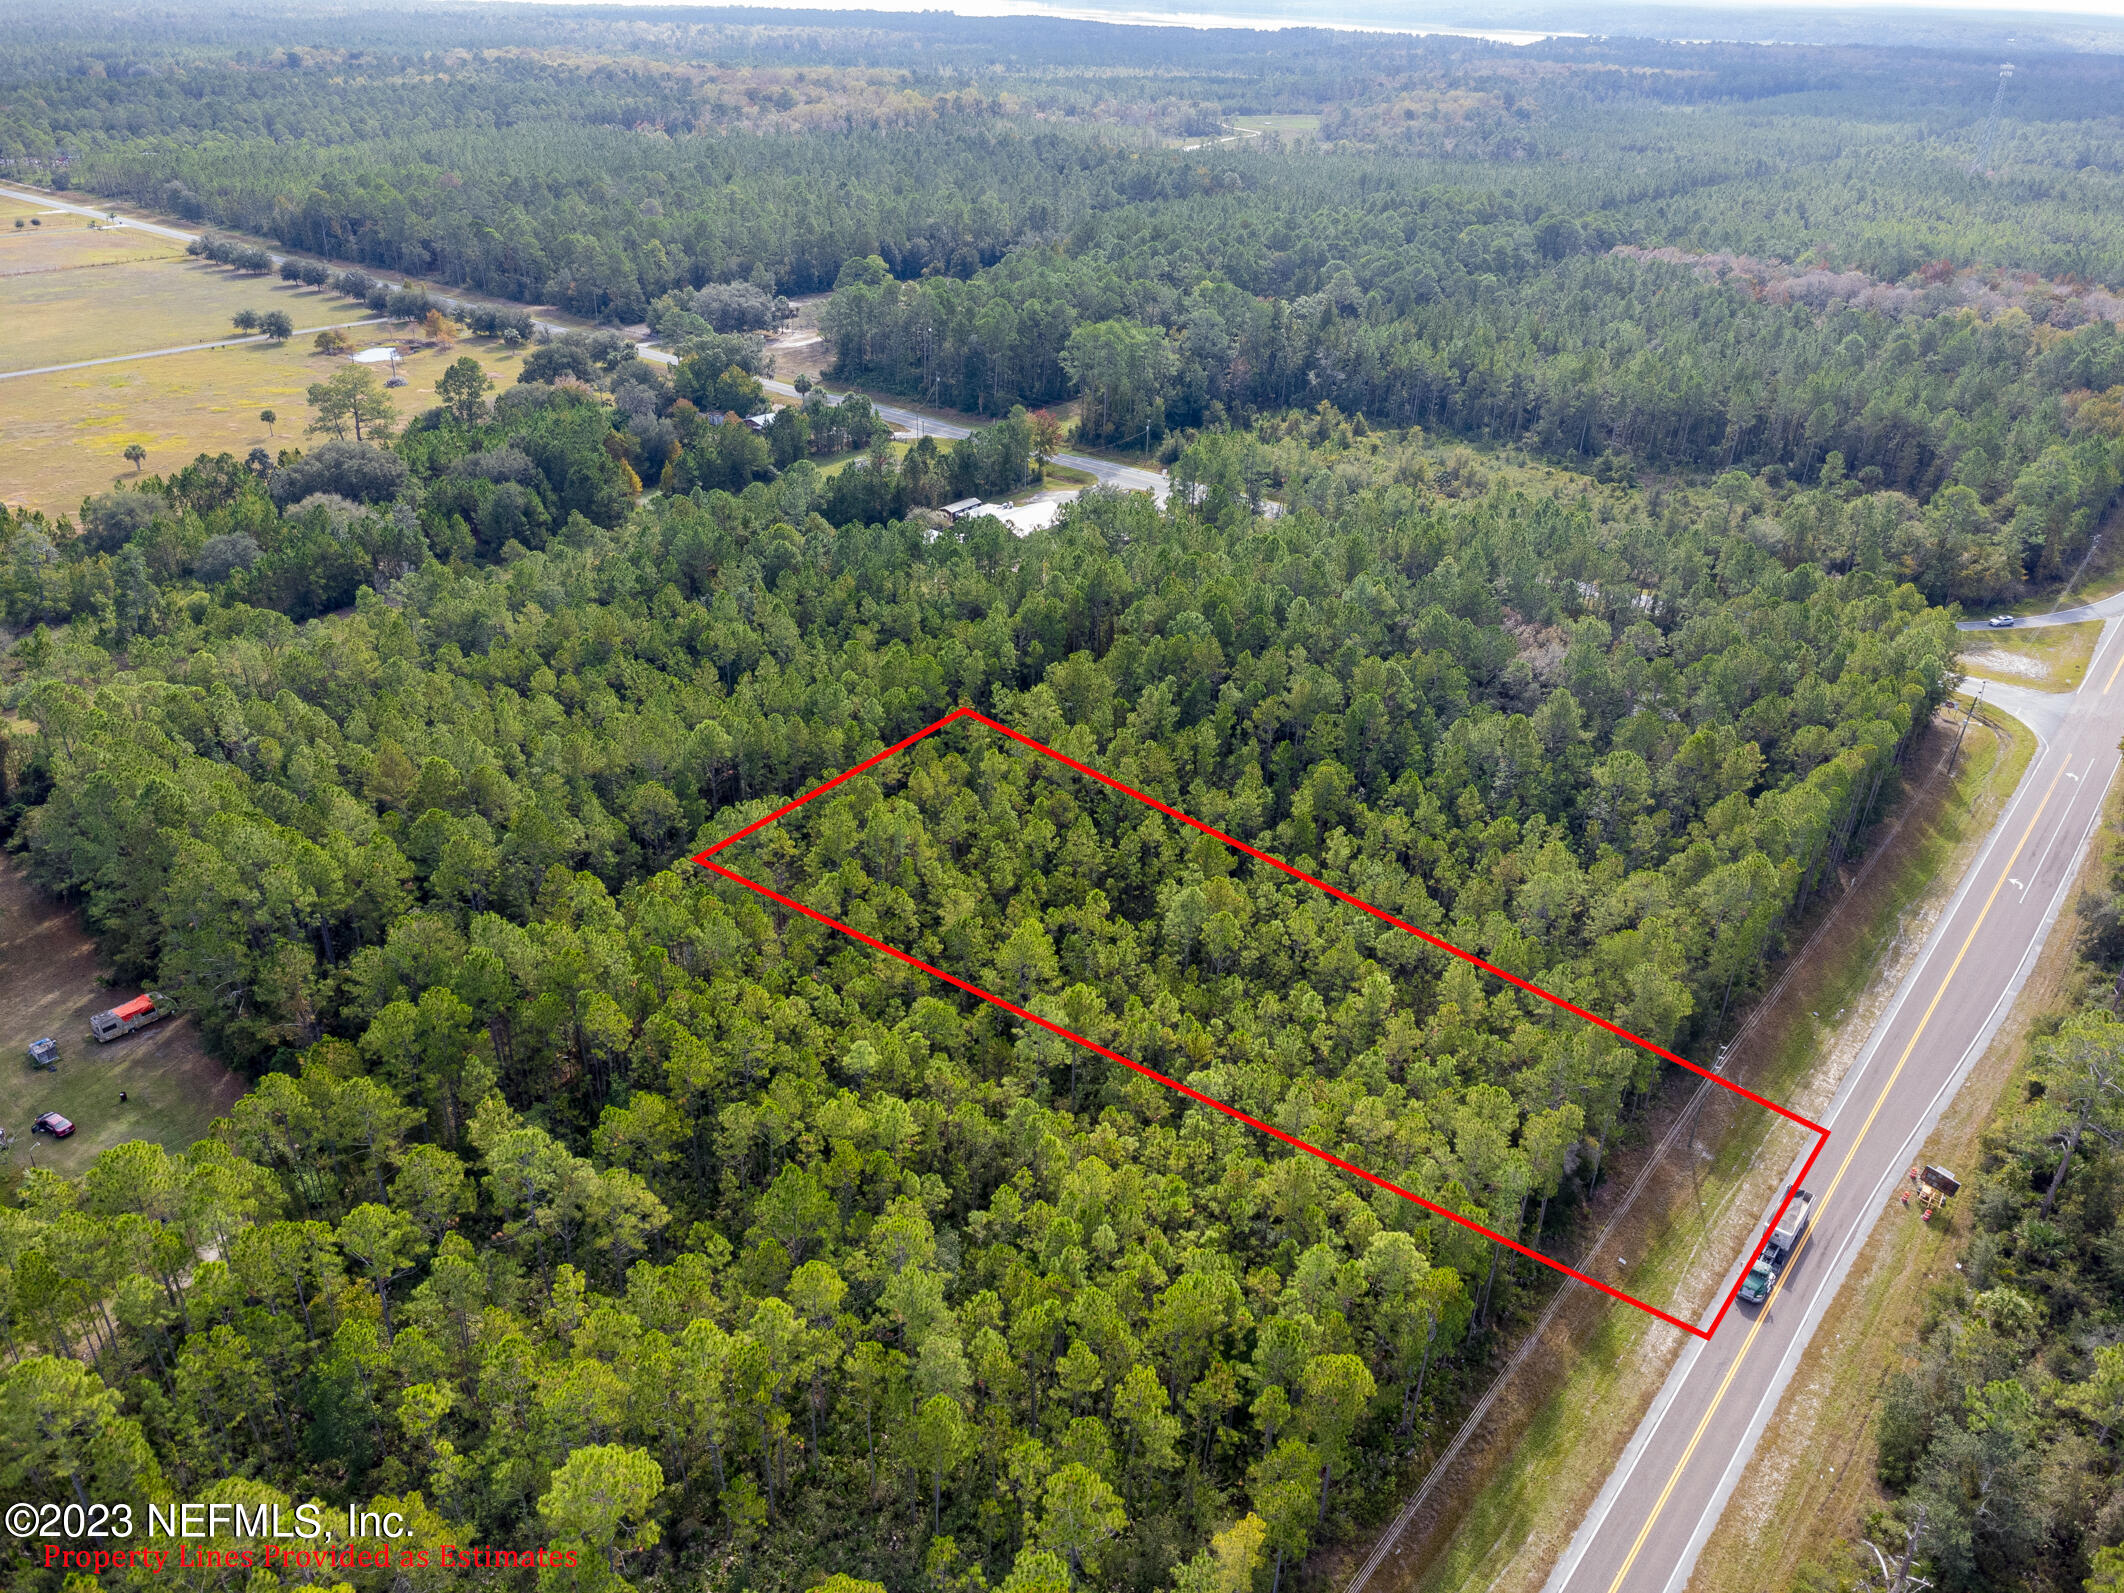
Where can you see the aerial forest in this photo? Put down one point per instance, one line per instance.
(1570, 508)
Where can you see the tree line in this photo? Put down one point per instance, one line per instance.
(1615, 364)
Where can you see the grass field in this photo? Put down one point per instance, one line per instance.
(55, 316)
(35, 241)
(47, 250)
(1246, 129)
(2046, 658)
(63, 435)
(49, 984)
(70, 291)
(12, 208)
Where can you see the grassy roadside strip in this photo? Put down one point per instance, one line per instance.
(1791, 1520)
(2060, 652)
(1611, 1359)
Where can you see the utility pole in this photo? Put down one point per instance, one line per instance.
(1696, 1114)
(2078, 571)
(1957, 749)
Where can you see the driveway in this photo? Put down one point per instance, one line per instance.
(1126, 478)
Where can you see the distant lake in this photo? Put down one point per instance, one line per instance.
(1339, 15)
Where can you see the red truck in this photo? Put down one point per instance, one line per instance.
(137, 1013)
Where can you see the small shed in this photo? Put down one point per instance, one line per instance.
(964, 507)
(761, 421)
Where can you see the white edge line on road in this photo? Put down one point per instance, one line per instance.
(1848, 1249)
(1977, 870)
(1619, 1479)
(1582, 1540)
(1648, 1427)
(2109, 634)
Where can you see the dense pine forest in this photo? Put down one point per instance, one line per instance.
(1622, 256)
(412, 864)
(1572, 488)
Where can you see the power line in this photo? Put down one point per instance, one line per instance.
(1991, 125)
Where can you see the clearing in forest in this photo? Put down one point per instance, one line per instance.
(55, 309)
(50, 981)
(836, 877)
(70, 292)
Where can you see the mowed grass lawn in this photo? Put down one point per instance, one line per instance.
(63, 436)
(55, 316)
(49, 985)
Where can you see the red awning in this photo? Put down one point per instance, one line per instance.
(134, 1008)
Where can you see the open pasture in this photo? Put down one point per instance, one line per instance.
(56, 316)
(63, 435)
(59, 242)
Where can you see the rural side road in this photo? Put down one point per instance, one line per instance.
(1656, 1512)
(1126, 478)
(32, 196)
(2106, 608)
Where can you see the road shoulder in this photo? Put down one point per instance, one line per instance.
(1556, 1446)
(1791, 1519)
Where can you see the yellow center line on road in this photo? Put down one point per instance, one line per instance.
(1829, 1194)
(2113, 673)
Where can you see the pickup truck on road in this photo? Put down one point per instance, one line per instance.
(1755, 1288)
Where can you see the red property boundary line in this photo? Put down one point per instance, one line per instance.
(705, 860)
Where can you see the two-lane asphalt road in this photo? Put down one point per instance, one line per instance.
(1651, 1521)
